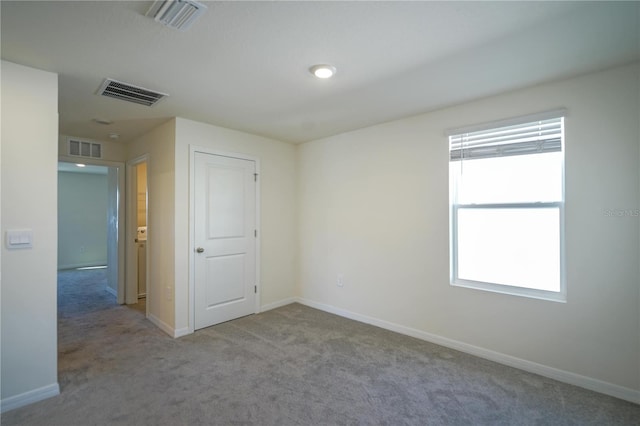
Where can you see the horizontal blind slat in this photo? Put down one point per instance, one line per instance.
(520, 139)
(522, 148)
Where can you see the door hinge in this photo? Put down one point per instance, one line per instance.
(255, 289)
(255, 233)
(255, 177)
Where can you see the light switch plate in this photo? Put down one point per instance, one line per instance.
(19, 238)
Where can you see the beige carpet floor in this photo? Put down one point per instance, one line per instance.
(289, 366)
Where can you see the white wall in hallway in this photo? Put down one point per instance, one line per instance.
(29, 200)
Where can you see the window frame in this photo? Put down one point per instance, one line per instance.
(455, 281)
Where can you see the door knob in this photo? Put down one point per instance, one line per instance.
(200, 250)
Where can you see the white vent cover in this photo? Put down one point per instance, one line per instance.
(178, 14)
(129, 92)
(79, 148)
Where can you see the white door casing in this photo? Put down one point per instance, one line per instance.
(224, 237)
(113, 223)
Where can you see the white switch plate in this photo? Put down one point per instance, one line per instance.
(19, 238)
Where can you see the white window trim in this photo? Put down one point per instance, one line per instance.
(560, 296)
(555, 296)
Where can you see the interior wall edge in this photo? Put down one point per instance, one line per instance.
(162, 325)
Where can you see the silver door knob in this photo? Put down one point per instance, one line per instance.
(200, 250)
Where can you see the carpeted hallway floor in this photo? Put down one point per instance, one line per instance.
(290, 366)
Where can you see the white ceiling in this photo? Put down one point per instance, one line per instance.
(244, 65)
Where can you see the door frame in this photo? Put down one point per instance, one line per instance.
(120, 166)
(193, 149)
(132, 232)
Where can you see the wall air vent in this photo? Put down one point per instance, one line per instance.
(178, 14)
(129, 92)
(80, 148)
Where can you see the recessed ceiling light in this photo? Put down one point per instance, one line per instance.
(103, 121)
(323, 70)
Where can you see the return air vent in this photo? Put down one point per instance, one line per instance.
(129, 92)
(79, 148)
(178, 14)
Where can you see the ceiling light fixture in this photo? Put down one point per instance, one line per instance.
(323, 71)
(103, 121)
(81, 165)
(114, 136)
(178, 14)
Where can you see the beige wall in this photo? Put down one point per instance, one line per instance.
(277, 209)
(159, 145)
(29, 167)
(373, 205)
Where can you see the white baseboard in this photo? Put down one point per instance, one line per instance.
(161, 325)
(278, 304)
(181, 332)
(175, 333)
(590, 383)
(185, 330)
(29, 397)
(110, 290)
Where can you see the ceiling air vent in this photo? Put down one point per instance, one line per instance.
(129, 92)
(178, 14)
(79, 148)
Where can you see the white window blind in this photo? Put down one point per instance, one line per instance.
(530, 137)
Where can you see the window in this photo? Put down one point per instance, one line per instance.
(507, 207)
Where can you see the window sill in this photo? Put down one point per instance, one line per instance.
(551, 296)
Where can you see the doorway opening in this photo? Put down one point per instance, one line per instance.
(138, 233)
(90, 212)
(141, 231)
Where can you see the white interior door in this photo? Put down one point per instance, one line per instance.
(225, 239)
